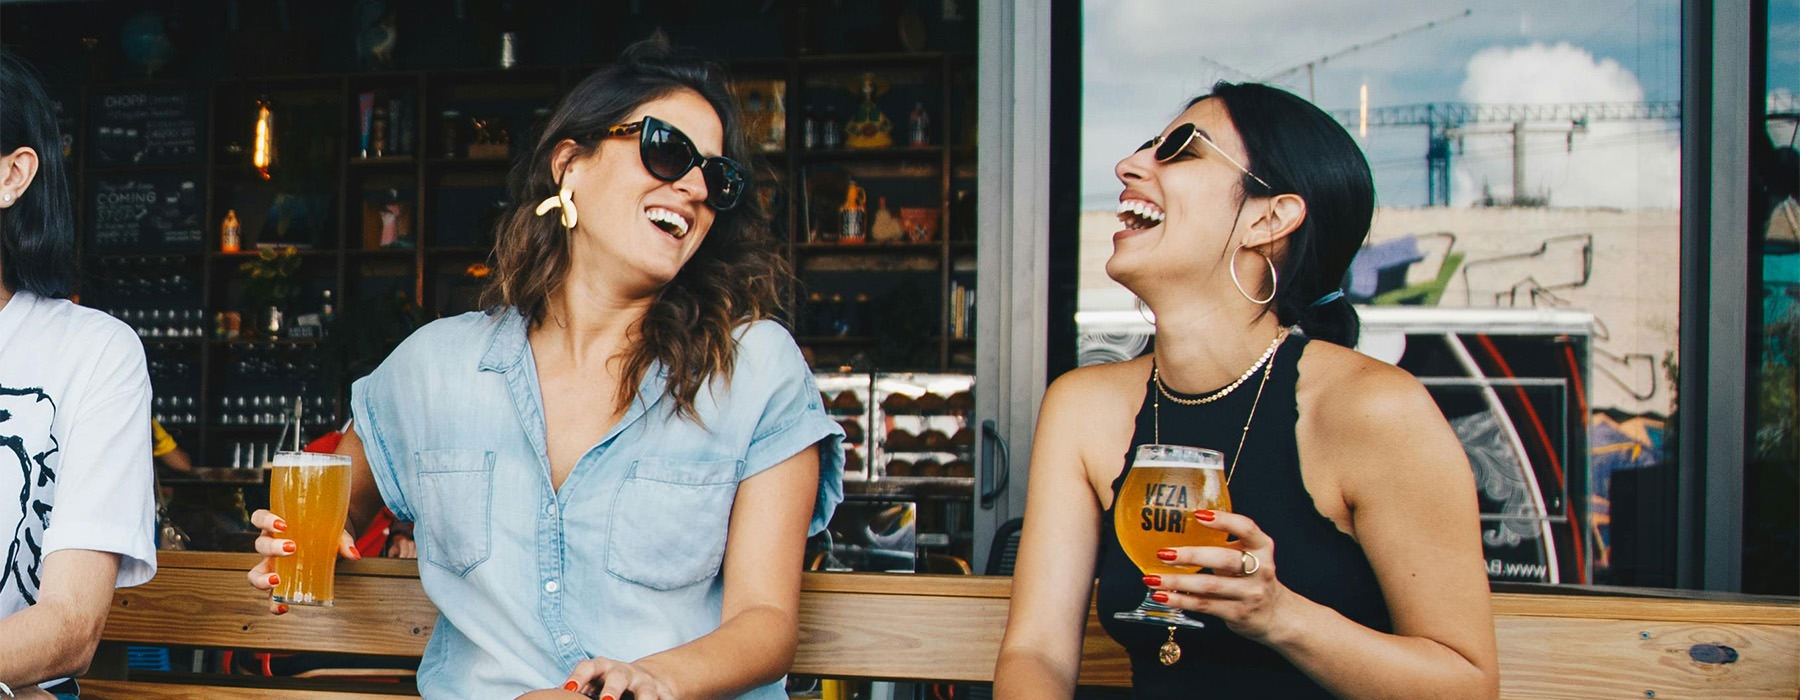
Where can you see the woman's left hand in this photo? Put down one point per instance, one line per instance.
(607, 679)
(1241, 588)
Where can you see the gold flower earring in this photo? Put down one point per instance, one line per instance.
(563, 200)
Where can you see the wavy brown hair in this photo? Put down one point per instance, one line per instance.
(735, 277)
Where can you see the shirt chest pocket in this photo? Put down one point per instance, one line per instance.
(669, 520)
(453, 504)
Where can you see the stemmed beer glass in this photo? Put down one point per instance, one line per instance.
(1154, 510)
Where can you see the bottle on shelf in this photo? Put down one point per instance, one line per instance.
(886, 227)
(830, 135)
(809, 130)
(918, 132)
(230, 233)
(854, 214)
(378, 145)
(450, 121)
(509, 56)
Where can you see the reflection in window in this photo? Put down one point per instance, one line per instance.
(1524, 260)
(1773, 455)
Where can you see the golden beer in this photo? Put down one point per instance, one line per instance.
(311, 492)
(1154, 510)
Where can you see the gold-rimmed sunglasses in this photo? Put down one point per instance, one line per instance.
(1167, 147)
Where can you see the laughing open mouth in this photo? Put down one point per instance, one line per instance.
(670, 222)
(1138, 214)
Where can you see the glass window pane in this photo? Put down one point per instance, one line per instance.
(1525, 254)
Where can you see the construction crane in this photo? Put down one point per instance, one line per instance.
(1453, 120)
(1309, 66)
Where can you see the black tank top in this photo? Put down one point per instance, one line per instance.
(1315, 559)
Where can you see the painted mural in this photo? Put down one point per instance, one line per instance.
(1554, 365)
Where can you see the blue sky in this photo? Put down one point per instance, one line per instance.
(1143, 58)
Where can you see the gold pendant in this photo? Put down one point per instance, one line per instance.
(1169, 652)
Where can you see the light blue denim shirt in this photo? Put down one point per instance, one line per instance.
(624, 560)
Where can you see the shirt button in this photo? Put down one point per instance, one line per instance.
(565, 640)
(550, 508)
(551, 586)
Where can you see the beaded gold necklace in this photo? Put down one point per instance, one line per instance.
(1215, 396)
(1263, 363)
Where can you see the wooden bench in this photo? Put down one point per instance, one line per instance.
(1559, 644)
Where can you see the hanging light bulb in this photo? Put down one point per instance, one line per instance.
(262, 152)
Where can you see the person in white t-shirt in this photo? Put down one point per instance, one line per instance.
(76, 513)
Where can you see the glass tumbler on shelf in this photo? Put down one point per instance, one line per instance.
(1154, 510)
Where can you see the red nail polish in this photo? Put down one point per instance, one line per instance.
(571, 686)
(274, 580)
(1205, 515)
(1166, 554)
(282, 610)
(606, 697)
(1160, 597)
(288, 546)
(280, 525)
(1152, 580)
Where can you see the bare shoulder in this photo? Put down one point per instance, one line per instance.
(1350, 394)
(1376, 423)
(1102, 387)
(1087, 419)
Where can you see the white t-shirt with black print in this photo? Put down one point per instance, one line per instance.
(75, 468)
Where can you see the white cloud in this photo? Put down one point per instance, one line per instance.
(1624, 164)
(1143, 58)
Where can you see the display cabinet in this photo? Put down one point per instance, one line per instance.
(272, 238)
(909, 441)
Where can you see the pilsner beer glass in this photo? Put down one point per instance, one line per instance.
(311, 491)
(1154, 510)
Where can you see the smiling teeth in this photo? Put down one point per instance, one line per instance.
(672, 222)
(1139, 214)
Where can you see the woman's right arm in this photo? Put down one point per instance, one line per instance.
(365, 499)
(1053, 581)
(365, 503)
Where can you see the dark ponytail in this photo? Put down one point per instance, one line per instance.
(1299, 149)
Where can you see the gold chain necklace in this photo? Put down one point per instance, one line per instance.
(1222, 393)
(1170, 652)
(1264, 364)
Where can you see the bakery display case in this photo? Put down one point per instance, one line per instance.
(909, 438)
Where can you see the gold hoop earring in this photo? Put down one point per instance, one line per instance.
(1144, 312)
(1273, 277)
(563, 200)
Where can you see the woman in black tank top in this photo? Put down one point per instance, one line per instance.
(1354, 566)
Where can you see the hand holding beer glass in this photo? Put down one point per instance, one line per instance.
(309, 494)
(1154, 510)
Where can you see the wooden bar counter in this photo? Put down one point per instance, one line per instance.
(1555, 642)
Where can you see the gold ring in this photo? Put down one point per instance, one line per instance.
(1249, 563)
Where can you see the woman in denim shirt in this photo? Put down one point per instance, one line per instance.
(614, 470)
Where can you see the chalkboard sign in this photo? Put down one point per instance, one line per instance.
(146, 127)
(151, 211)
